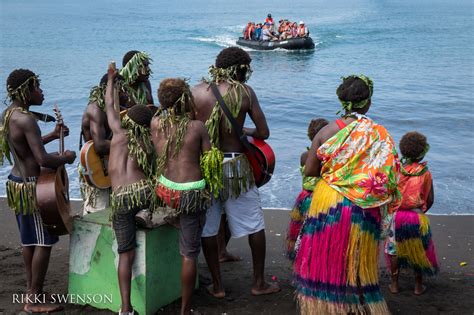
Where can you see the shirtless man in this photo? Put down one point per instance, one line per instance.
(21, 130)
(180, 142)
(95, 127)
(130, 190)
(136, 72)
(240, 197)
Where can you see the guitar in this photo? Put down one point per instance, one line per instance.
(94, 167)
(52, 193)
(262, 160)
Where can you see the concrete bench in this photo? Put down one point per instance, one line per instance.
(93, 265)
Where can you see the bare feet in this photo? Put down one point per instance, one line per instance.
(267, 288)
(227, 257)
(420, 290)
(394, 288)
(215, 293)
(42, 308)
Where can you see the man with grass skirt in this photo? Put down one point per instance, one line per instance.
(94, 127)
(238, 194)
(20, 137)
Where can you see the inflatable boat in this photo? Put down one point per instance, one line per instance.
(290, 44)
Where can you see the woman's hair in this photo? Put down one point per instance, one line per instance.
(353, 89)
(413, 146)
(315, 126)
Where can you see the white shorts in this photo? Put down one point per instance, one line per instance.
(244, 215)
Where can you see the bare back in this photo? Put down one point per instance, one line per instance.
(205, 101)
(123, 169)
(185, 166)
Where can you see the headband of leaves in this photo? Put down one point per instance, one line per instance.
(139, 143)
(348, 105)
(135, 67)
(179, 106)
(97, 93)
(228, 74)
(407, 160)
(21, 92)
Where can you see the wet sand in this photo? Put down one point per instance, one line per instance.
(452, 292)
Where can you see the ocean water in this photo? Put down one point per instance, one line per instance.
(419, 54)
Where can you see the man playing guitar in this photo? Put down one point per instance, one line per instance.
(95, 127)
(240, 196)
(21, 136)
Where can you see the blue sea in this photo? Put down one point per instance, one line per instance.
(420, 55)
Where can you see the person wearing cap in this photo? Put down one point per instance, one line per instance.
(267, 34)
(302, 30)
(269, 19)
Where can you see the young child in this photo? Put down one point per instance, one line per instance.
(297, 215)
(409, 243)
(129, 170)
(184, 152)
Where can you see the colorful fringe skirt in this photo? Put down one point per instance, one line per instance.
(413, 243)
(297, 216)
(336, 264)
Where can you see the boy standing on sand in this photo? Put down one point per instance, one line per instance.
(130, 148)
(183, 147)
(21, 137)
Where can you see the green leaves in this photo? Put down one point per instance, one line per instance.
(211, 168)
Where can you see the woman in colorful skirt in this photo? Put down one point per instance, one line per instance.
(303, 200)
(409, 242)
(336, 262)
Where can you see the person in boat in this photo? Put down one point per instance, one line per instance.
(136, 72)
(245, 32)
(238, 194)
(281, 26)
(20, 136)
(267, 34)
(258, 32)
(269, 19)
(286, 31)
(94, 127)
(184, 155)
(129, 170)
(294, 30)
(336, 264)
(302, 30)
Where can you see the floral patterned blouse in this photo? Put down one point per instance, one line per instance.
(415, 185)
(361, 162)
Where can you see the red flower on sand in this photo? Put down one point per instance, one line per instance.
(374, 184)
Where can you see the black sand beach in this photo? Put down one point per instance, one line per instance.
(451, 293)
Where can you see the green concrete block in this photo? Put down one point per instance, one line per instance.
(93, 262)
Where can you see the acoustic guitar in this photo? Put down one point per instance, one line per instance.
(52, 193)
(262, 160)
(94, 167)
